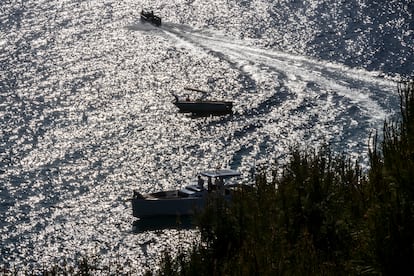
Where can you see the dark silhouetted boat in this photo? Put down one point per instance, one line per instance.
(202, 106)
(150, 17)
(187, 200)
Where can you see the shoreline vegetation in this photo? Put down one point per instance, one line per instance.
(323, 215)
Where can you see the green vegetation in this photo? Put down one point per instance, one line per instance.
(322, 216)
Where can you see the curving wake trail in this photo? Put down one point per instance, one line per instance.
(295, 99)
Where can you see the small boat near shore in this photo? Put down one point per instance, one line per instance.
(150, 17)
(202, 106)
(187, 200)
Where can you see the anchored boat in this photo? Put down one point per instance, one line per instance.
(202, 106)
(184, 201)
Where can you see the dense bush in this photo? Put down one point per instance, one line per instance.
(322, 216)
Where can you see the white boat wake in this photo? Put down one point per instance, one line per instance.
(311, 100)
(361, 87)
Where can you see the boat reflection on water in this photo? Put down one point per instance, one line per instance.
(163, 222)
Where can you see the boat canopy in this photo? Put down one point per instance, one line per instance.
(223, 173)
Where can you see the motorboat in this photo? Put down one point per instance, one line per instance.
(150, 17)
(187, 200)
(202, 106)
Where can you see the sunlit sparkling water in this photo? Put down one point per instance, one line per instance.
(86, 112)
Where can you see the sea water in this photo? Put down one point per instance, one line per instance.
(87, 116)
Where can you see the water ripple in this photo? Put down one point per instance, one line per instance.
(87, 115)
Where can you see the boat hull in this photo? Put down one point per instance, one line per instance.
(211, 107)
(145, 208)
